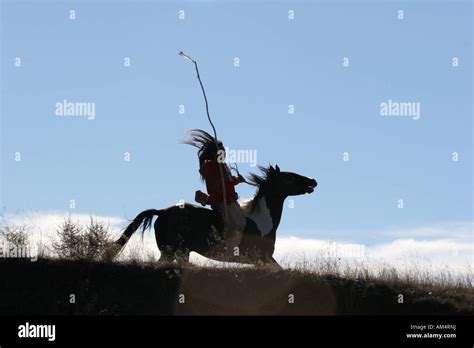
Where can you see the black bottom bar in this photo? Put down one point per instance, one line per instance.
(423, 330)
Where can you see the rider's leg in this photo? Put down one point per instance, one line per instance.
(234, 226)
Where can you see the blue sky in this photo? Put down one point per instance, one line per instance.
(282, 62)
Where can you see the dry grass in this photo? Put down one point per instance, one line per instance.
(324, 285)
(144, 287)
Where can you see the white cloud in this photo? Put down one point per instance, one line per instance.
(462, 230)
(404, 254)
(438, 248)
(43, 226)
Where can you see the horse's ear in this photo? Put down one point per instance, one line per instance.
(277, 168)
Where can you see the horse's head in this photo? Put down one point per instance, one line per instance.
(283, 184)
(291, 184)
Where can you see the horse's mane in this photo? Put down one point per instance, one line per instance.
(261, 181)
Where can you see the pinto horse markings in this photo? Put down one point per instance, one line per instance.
(261, 215)
(180, 230)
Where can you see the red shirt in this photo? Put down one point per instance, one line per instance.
(212, 175)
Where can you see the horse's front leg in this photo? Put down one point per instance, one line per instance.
(273, 264)
(268, 262)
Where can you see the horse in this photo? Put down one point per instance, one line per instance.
(183, 228)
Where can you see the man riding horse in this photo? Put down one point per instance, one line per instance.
(221, 195)
(251, 226)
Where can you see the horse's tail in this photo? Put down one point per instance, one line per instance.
(145, 218)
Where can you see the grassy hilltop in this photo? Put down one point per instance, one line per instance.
(72, 279)
(46, 286)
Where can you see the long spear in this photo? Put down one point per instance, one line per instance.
(182, 54)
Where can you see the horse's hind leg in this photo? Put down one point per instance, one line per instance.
(161, 225)
(169, 256)
(168, 235)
